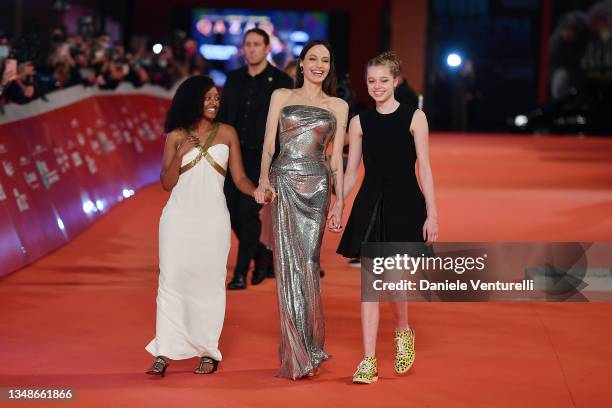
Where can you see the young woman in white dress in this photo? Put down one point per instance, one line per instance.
(194, 228)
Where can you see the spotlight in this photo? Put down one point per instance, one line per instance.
(157, 48)
(521, 120)
(89, 207)
(99, 205)
(299, 37)
(453, 60)
(297, 49)
(60, 223)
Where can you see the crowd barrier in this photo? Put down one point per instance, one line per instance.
(66, 161)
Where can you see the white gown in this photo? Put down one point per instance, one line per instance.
(194, 243)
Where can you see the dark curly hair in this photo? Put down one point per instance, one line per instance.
(187, 107)
(330, 84)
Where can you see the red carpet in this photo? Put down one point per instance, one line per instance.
(80, 318)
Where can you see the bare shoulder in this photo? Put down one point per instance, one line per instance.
(419, 115)
(339, 105)
(282, 93)
(224, 128)
(175, 136)
(227, 133)
(419, 120)
(280, 97)
(355, 123)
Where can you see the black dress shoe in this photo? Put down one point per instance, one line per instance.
(263, 263)
(270, 271)
(258, 276)
(237, 282)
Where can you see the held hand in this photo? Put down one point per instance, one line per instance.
(186, 145)
(334, 218)
(430, 230)
(265, 193)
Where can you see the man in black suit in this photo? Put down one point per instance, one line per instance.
(244, 105)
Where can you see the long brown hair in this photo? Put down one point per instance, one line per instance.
(331, 82)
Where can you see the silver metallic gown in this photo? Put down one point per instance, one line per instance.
(301, 177)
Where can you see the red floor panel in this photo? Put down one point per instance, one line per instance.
(80, 318)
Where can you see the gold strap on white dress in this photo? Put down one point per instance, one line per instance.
(203, 153)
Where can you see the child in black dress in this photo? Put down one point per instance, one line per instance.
(391, 206)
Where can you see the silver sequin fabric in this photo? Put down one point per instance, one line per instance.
(301, 177)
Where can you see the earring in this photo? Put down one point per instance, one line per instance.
(301, 69)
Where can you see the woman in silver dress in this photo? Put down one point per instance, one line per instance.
(298, 182)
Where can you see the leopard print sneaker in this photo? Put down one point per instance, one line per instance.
(367, 371)
(404, 350)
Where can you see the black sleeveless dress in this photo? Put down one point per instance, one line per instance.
(390, 206)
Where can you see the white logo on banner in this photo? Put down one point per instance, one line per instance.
(91, 164)
(127, 136)
(74, 123)
(2, 194)
(39, 149)
(80, 139)
(158, 128)
(95, 145)
(48, 177)
(24, 161)
(117, 137)
(89, 131)
(107, 144)
(138, 145)
(2, 149)
(149, 131)
(21, 200)
(76, 159)
(32, 179)
(61, 158)
(8, 168)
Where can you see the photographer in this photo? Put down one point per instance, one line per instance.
(23, 88)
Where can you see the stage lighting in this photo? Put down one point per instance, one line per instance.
(60, 223)
(521, 120)
(126, 193)
(218, 52)
(218, 77)
(453, 60)
(299, 37)
(297, 49)
(99, 205)
(157, 48)
(88, 207)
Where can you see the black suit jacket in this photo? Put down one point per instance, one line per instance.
(272, 79)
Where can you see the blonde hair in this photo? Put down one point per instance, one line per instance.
(389, 59)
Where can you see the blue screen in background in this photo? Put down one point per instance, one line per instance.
(219, 34)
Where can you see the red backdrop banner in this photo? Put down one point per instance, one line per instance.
(66, 162)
